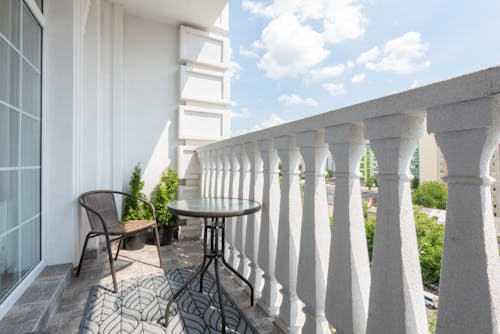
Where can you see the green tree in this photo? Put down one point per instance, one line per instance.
(430, 235)
(164, 193)
(430, 195)
(371, 182)
(415, 182)
(132, 208)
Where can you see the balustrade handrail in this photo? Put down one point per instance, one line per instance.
(462, 88)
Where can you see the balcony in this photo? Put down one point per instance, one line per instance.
(310, 278)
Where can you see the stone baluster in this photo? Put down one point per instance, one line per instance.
(348, 286)
(203, 171)
(234, 186)
(219, 172)
(253, 221)
(212, 172)
(396, 295)
(226, 174)
(241, 222)
(269, 226)
(469, 295)
(315, 233)
(290, 316)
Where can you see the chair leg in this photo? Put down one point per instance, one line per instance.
(83, 252)
(119, 247)
(157, 241)
(111, 263)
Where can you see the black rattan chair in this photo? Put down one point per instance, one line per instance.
(103, 218)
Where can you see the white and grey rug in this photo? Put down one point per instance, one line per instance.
(140, 304)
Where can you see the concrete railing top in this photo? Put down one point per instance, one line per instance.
(466, 87)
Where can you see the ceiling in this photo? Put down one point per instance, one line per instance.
(203, 13)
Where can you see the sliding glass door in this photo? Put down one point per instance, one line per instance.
(20, 143)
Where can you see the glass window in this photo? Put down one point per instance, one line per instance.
(20, 143)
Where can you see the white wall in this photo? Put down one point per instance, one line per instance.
(150, 52)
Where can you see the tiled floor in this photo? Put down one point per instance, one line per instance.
(135, 263)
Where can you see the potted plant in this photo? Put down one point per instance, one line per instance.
(164, 193)
(135, 210)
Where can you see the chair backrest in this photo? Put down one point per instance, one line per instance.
(102, 202)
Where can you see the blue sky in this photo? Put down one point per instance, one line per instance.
(296, 58)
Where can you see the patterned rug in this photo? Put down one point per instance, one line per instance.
(140, 304)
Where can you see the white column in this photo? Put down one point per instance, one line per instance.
(290, 316)
(253, 221)
(241, 222)
(349, 269)
(269, 226)
(219, 170)
(396, 294)
(203, 176)
(226, 174)
(469, 294)
(234, 186)
(213, 171)
(315, 233)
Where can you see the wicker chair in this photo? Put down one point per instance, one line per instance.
(103, 218)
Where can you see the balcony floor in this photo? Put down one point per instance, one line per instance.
(137, 263)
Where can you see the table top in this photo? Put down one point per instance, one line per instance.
(214, 207)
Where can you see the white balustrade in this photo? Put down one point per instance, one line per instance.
(269, 226)
(226, 175)
(315, 233)
(349, 271)
(203, 176)
(219, 172)
(253, 221)
(332, 277)
(241, 222)
(290, 316)
(469, 296)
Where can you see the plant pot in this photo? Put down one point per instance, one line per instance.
(166, 235)
(134, 242)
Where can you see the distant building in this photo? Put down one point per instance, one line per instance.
(369, 166)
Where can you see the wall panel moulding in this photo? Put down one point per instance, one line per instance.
(188, 192)
(197, 123)
(202, 85)
(188, 166)
(203, 48)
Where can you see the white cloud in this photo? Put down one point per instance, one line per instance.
(294, 99)
(325, 73)
(292, 49)
(350, 64)
(257, 44)
(273, 120)
(402, 55)
(235, 70)
(242, 113)
(415, 84)
(334, 89)
(233, 103)
(368, 56)
(248, 52)
(342, 19)
(358, 78)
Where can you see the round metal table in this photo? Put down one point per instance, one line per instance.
(214, 211)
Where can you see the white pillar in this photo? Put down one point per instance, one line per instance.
(315, 234)
(234, 186)
(396, 293)
(226, 174)
(219, 171)
(349, 269)
(241, 222)
(469, 294)
(253, 221)
(203, 176)
(290, 316)
(212, 156)
(269, 226)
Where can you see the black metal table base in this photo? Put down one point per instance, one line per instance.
(212, 252)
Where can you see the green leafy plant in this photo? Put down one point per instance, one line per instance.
(328, 174)
(164, 193)
(430, 195)
(132, 208)
(371, 182)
